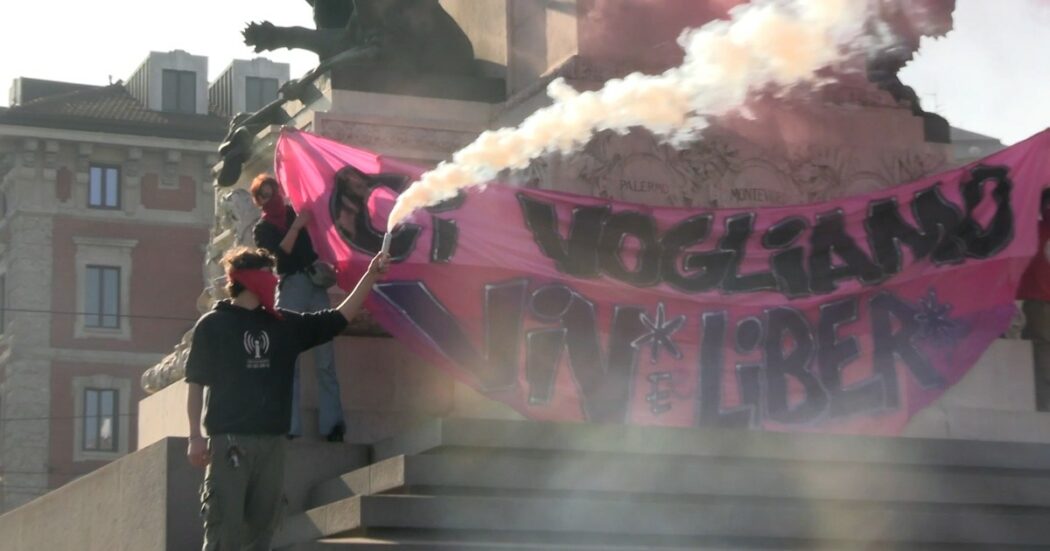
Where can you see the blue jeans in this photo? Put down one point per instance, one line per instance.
(298, 294)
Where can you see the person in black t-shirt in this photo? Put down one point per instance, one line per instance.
(283, 233)
(244, 352)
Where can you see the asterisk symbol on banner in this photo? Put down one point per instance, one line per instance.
(935, 321)
(660, 333)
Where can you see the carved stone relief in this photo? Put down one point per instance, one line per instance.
(727, 171)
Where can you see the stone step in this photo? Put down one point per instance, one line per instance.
(971, 423)
(309, 464)
(683, 478)
(652, 522)
(442, 435)
(366, 423)
(414, 542)
(363, 427)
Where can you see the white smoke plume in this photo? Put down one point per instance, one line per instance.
(767, 44)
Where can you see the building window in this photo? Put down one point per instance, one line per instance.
(100, 415)
(103, 287)
(179, 94)
(103, 407)
(104, 187)
(259, 92)
(102, 297)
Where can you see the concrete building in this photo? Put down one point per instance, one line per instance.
(107, 201)
(970, 146)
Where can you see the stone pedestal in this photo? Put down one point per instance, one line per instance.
(994, 401)
(424, 130)
(853, 137)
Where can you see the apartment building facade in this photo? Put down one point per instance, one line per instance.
(107, 199)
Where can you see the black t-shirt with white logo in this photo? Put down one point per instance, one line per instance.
(246, 359)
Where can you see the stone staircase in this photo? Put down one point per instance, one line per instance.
(482, 484)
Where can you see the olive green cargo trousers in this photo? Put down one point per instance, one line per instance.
(242, 497)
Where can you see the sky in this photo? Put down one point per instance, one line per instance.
(89, 41)
(989, 75)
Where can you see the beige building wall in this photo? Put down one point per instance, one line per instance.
(47, 238)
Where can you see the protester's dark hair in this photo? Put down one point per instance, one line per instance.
(244, 258)
(260, 181)
(1044, 199)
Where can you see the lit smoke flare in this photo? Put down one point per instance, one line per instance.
(766, 44)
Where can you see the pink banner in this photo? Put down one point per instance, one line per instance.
(846, 316)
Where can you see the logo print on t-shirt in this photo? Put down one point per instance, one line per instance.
(257, 345)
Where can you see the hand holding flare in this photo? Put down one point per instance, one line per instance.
(386, 244)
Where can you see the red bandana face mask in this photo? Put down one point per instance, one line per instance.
(261, 282)
(274, 212)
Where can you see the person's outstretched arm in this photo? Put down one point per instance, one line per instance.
(349, 307)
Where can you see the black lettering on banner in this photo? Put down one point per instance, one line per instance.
(544, 347)
(939, 215)
(711, 268)
(689, 232)
(889, 346)
(710, 395)
(445, 235)
(618, 376)
(370, 240)
(617, 228)
(551, 302)
(887, 230)
(604, 384)
(749, 380)
(659, 396)
(748, 335)
(449, 205)
(982, 242)
(749, 338)
(833, 355)
(830, 238)
(402, 242)
(597, 242)
(780, 364)
(577, 256)
(543, 353)
(365, 236)
(738, 230)
(504, 315)
(788, 264)
(938, 222)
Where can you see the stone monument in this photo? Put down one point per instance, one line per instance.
(379, 86)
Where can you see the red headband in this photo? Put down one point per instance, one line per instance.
(261, 282)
